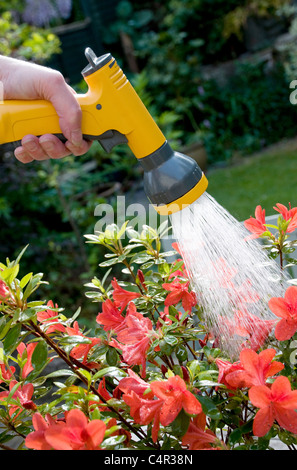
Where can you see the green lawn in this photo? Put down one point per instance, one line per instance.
(264, 179)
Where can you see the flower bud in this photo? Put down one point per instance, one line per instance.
(186, 375)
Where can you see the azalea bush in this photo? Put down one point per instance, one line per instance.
(148, 375)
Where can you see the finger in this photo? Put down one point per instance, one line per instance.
(21, 155)
(67, 108)
(78, 150)
(72, 90)
(53, 146)
(30, 144)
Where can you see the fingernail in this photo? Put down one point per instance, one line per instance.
(30, 145)
(47, 145)
(19, 152)
(76, 137)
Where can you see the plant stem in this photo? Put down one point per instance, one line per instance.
(83, 379)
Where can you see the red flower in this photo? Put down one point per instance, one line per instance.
(104, 394)
(276, 403)
(176, 247)
(82, 350)
(196, 437)
(135, 337)
(172, 395)
(76, 433)
(256, 369)
(175, 397)
(46, 317)
(136, 384)
(255, 330)
(246, 293)
(23, 395)
(111, 317)
(288, 214)
(225, 272)
(4, 291)
(286, 309)
(144, 411)
(121, 296)
(180, 292)
(256, 225)
(6, 374)
(28, 350)
(36, 439)
(226, 368)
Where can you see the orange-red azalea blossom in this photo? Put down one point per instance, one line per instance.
(111, 318)
(49, 319)
(197, 437)
(288, 214)
(256, 225)
(257, 368)
(175, 396)
(286, 309)
(276, 403)
(82, 350)
(76, 433)
(36, 439)
(179, 292)
(121, 296)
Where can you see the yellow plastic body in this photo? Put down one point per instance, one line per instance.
(184, 201)
(120, 109)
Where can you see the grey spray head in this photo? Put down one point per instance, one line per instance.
(171, 177)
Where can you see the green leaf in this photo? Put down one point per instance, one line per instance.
(235, 436)
(9, 274)
(147, 265)
(109, 371)
(75, 339)
(122, 230)
(113, 441)
(27, 314)
(112, 357)
(141, 258)
(61, 372)
(209, 408)
(181, 423)
(13, 390)
(32, 285)
(40, 355)
(105, 276)
(5, 324)
(109, 262)
(171, 340)
(181, 353)
(21, 254)
(10, 342)
(24, 281)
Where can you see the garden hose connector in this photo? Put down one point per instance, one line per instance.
(113, 113)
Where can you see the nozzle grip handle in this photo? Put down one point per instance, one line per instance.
(108, 140)
(22, 117)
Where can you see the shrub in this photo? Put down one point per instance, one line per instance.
(148, 375)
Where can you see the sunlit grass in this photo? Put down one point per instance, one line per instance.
(265, 179)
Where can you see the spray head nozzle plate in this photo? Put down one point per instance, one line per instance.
(172, 180)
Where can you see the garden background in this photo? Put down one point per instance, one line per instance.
(214, 74)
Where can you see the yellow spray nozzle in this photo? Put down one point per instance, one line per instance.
(113, 113)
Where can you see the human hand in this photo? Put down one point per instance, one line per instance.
(24, 80)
